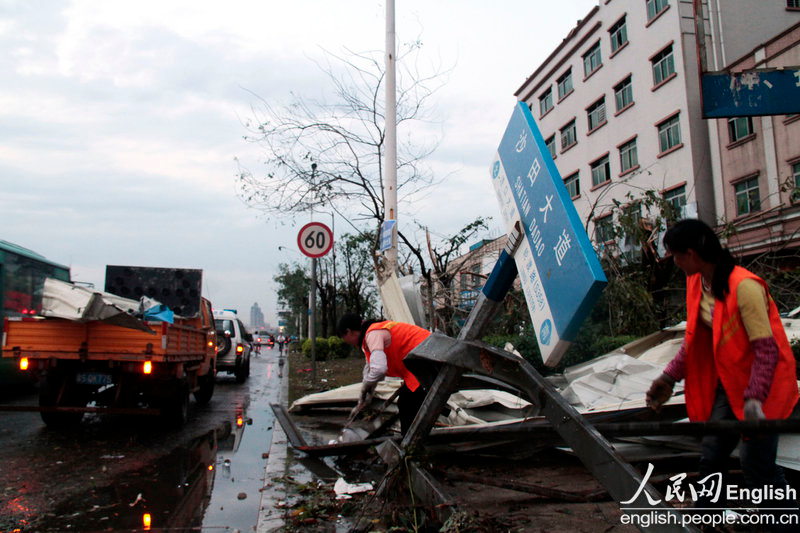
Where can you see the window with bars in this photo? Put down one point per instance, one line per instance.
(739, 128)
(748, 199)
(573, 185)
(623, 93)
(794, 4)
(628, 156)
(655, 7)
(663, 65)
(551, 145)
(568, 135)
(592, 59)
(618, 33)
(604, 229)
(564, 84)
(546, 102)
(601, 171)
(597, 114)
(669, 133)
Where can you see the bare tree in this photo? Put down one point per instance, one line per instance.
(330, 153)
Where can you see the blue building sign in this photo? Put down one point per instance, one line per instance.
(558, 267)
(387, 232)
(751, 93)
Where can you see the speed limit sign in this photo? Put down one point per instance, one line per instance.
(315, 239)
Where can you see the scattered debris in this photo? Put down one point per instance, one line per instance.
(345, 490)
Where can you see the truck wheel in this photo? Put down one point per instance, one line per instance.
(206, 391)
(49, 392)
(241, 371)
(175, 409)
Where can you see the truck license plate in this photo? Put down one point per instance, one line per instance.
(92, 378)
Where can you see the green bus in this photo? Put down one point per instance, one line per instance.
(22, 275)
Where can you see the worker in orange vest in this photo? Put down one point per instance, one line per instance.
(735, 359)
(385, 344)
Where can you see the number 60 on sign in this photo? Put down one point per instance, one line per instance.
(315, 239)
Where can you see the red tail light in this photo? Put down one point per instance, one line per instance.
(239, 348)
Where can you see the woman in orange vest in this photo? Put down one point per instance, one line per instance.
(385, 344)
(735, 359)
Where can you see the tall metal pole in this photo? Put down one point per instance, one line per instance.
(390, 167)
(312, 326)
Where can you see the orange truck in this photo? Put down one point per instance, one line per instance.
(96, 366)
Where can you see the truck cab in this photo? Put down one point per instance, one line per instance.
(234, 344)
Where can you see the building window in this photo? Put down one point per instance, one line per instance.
(565, 84)
(568, 136)
(663, 65)
(739, 127)
(747, 198)
(597, 114)
(623, 93)
(546, 102)
(628, 156)
(793, 4)
(573, 185)
(796, 171)
(655, 7)
(601, 171)
(592, 60)
(551, 145)
(631, 217)
(676, 198)
(669, 133)
(604, 229)
(618, 34)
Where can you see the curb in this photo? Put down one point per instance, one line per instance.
(270, 517)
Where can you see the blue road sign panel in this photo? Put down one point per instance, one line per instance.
(751, 93)
(558, 267)
(387, 232)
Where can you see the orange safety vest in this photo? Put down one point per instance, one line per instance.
(405, 337)
(724, 354)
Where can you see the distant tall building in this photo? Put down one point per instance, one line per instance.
(256, 317)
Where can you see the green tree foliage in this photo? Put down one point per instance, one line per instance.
(293, 287)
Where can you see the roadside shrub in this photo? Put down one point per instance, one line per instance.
(338, 349)
(323, 348)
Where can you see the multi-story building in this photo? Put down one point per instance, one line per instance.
(618, 101)
(256, 317)
(757, 163)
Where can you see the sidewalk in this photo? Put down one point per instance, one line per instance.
(270, 517)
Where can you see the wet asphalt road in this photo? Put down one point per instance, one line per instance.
(107, 473)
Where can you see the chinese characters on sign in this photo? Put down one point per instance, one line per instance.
(558, 268)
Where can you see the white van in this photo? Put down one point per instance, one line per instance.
(233, 344)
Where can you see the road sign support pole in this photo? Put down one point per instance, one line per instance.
(312, 325)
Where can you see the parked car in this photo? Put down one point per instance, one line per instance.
(233, 344)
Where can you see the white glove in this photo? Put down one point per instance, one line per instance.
(753, 410)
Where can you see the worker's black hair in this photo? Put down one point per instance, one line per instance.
(353, 322)
(695, 234)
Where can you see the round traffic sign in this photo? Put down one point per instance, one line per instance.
(315, 239)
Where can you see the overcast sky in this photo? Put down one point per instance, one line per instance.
(120, 121)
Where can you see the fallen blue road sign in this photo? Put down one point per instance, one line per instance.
(558, 267)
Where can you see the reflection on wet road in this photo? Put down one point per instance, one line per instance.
(127, 473)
